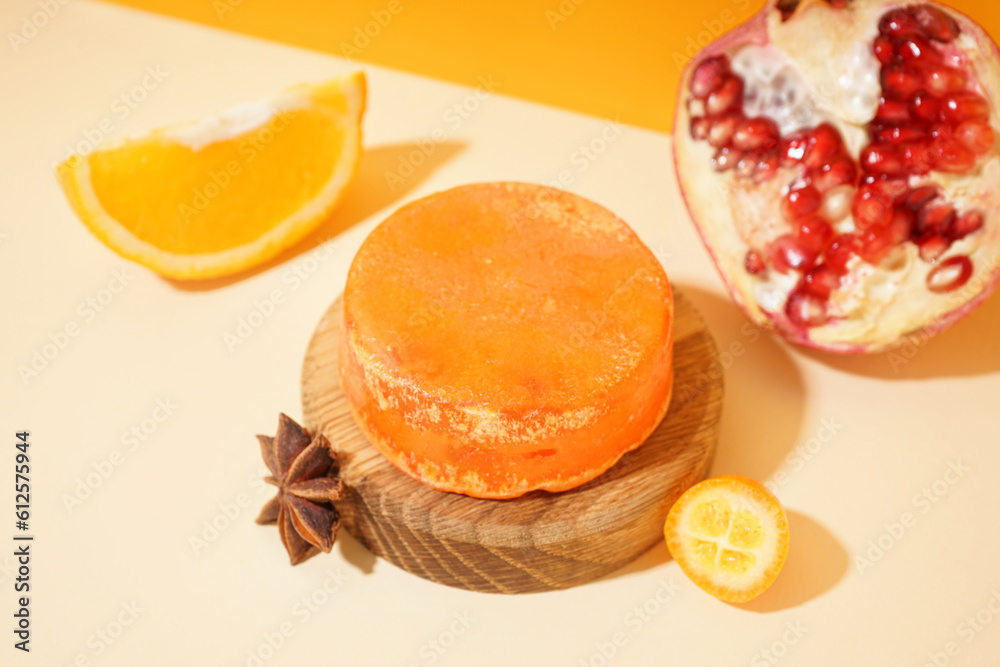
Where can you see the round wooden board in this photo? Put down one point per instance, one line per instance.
(540, 541)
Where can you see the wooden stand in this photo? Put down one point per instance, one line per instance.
(540, 541)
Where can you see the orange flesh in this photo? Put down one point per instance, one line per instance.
(190, 202)
(506, 337)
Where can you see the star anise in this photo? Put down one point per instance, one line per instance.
(304, 469)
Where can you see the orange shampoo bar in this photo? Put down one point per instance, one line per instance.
(505, 337)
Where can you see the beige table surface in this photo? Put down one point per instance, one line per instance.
(888, 465)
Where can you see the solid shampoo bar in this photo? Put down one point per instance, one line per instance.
(506, 337)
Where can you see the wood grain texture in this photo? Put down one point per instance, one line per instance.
(540, 541)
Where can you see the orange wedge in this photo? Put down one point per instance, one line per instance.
(729, 535)
(216, 196)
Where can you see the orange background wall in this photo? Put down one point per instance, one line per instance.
(614, 58)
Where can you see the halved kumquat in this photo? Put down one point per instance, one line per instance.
(729, 535)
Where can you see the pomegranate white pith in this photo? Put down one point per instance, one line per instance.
(842, 166)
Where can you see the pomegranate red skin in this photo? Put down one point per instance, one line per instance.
(755, 31)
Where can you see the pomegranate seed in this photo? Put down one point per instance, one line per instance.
(942, 130)
(754, 263)
(815, 233)
(889, 187)
(952, 156)
(965, 224)
(901, 82)
(964, 106)
(884, 50)
(708, 76)
(805, 309)
(901, 227)
(700, 127)
(877, 126)
(824, 142)
(727, 97)
(925, 106)
(935, 22)
(839, 171)
(800, 202)
(820, 281)
(871, 207)
(941, 80)
(897, 23)
(941, 134)
(721, 131)
(748, 163)
(976, 135)
(787, 252)
(839, 252)
(917, 157)
(756, 133)
(892, 111)
(726, 158)
(876, 242)
(915, 199)
(837, 202)
(880, 159)
(950, 274)
(766, 168)
(933, 247)
(793, 149)
(897, 134)
(914, 49)
(934, 219)
(695, 107)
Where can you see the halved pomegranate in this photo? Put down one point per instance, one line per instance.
(840, 160)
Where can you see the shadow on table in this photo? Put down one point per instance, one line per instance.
(654, 557)
(763, 402)
(968, 348)
(377, 186)
(765, 395)
(816, 562)
(355, 553)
